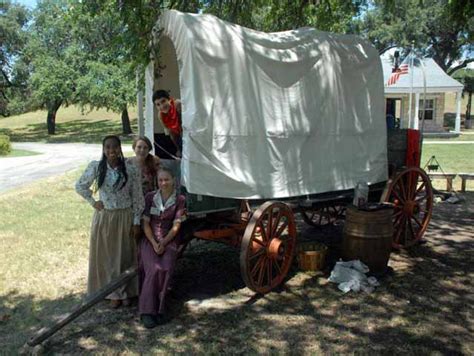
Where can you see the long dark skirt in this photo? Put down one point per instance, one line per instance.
(154, 273)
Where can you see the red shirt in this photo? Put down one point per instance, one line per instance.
(172, 119)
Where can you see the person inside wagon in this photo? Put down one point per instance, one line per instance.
(170, 115)
(164, 212)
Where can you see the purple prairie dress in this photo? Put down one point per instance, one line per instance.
(155, 271)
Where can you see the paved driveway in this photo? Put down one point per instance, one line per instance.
(55, 158)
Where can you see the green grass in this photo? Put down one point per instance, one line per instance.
(452, 158)
(20, 153)
(44, 239)
(456, 158)
(466, 135)
(71, 126)
(44, 233)
(452, 139)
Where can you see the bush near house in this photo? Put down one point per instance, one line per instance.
(5, 145)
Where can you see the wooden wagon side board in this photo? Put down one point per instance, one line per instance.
(396, 147)
(201, 204)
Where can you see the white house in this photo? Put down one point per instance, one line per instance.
(437, 84)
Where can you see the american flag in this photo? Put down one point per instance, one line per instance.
(397, 72)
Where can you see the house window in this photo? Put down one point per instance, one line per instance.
(429, 110)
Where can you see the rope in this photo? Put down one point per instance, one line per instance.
(166, 151)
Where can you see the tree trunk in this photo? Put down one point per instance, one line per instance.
(51, 119)
(468, 108)
(126, 128)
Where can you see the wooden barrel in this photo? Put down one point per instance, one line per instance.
(367, 236)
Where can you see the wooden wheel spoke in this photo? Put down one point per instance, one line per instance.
(420, 188)
(420, 198)
(277, 221)
(413, 185)
(270, 224)
(263, 232)
(277, 265)
(257, 265)
(409, 185)
(399, 231)
(417, 221)
(412, 190)
(265, 263)
(320, 218)
(397, 213)
(258, 253)
(402, 200)
(269, 271)
(398, 218)
(258, 241)
(410, 227)
(402, 190)
(262, 271)
(281, 228)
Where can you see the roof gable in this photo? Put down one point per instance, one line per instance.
(436, 78)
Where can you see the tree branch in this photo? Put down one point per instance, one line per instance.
(460, 66)
(10, 84)
(382, 51)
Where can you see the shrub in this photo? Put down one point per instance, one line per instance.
(5, 145)
(449, 120)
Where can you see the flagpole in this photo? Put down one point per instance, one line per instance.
(410, 124)
(422, 65)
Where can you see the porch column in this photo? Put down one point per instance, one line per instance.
(149, 106)
(417, 109)
(141, 117)
(402, 112)
(457, 124)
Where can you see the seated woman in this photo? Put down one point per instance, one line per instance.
(162, 218)
(147, 163)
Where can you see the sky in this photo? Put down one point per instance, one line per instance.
(28, 3)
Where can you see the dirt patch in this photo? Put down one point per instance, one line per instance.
(423, 306)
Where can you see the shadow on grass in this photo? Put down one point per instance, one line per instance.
(73, 131)
(423, 307)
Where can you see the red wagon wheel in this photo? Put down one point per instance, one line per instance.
(412, 195)
(323, 216)
(268, 246)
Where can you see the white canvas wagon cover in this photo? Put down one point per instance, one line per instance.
(273, 115)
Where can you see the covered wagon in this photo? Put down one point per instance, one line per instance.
(273, 124)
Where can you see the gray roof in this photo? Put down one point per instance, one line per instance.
(436, 79)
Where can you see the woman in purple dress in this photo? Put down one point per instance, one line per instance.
(162, 218)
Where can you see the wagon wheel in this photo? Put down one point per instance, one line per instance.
(268, 246)
(323, 216)
(412, 195)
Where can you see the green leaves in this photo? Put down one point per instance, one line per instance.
(13, 20)
(107, 86)
(438, 28)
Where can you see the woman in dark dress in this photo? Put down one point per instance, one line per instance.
(162, 218)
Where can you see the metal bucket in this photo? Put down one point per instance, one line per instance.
(367, 236)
